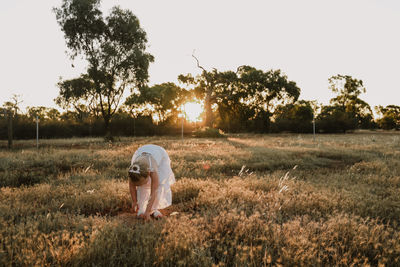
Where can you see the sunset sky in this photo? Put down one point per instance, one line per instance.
(309, 40)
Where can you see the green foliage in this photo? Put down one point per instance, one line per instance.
(390, 117)
(248, 94)
(348, 89)
(78, 93)
(11, 106)
(67, 125)
(114, 48)
(164, 99)
(295, 117)
(43, 113)
(264, 88)
(233, 113)
(207, 132)
(334, 119)
(252, 94)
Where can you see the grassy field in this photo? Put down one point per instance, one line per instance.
(245, 200)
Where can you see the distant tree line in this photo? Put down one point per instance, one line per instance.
(235, 108)
(243, 100)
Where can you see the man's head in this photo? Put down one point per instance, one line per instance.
(139, 170)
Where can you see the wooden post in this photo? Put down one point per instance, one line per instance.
(37, 132)
(10, 130)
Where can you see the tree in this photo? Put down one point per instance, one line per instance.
(13, 105)
(34, 112)
(266, 90)
(348, 89)
(165, 99)
(114, 48)
(295, 117)
(43, 113)
(53, 114)
(234, 113)
(204, 88)
(335, 119)
(10, 110)
(254, 92)
(78, 95)
(390, 117)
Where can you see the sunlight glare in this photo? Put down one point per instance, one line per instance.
(193, 111)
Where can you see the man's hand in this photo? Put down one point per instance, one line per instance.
(145, 216)
(135, 207)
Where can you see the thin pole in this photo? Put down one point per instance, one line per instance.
(134, 126)
(183, 117)
(37, 132)
(10, 130)
(313, 127)
(182, 126)
(90, 126)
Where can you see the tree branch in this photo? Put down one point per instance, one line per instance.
(198, 63)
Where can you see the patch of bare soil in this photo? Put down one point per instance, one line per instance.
(130, 217)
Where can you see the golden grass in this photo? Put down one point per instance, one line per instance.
(68, 203)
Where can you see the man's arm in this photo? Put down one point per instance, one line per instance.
(153, 195)
(132, 190)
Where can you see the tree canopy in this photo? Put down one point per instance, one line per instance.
(248, 93)
(390, 117)
(114, 47)
(347, 100)
(164, 99)
(294, 117)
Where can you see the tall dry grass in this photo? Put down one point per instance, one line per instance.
(238, 201)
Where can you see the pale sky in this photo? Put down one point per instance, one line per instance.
(309, 40)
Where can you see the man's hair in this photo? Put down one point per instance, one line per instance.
(139, 169)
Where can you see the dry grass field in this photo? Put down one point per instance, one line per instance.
(244, 200)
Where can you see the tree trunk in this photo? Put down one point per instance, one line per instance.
(107, 136)
(207, 106)
(10, 130)
(209, 90)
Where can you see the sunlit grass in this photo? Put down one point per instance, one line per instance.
(244, 200)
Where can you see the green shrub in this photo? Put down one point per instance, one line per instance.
(207, 132)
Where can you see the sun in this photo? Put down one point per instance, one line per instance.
(193, 111)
